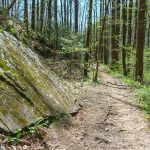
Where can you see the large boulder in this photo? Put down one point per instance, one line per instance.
(27, 89)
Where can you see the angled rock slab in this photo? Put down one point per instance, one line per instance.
(27, 89)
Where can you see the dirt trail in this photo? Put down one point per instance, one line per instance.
(110, 120)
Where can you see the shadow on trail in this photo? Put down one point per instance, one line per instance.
(125, 102)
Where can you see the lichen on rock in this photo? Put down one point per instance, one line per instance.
(27, 89)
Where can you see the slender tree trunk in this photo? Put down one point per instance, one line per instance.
(140, 41)
(101, 39)
(100, 29)
(89, 31)
(42, 16)
(102, 46)
(148, 35)
(117, 31)
(114, 54)
(70, 14)
(3, 6)
(26, 14)
(130, 22)
(33, 15)
(136, 7)
(106, 43)
(76, 16)
(37, 15)
(7, 9)
(11, 5)
(49, 16)
(56, 24)
(65, 14)
(124, 18)
(95, 26)
(62, 16)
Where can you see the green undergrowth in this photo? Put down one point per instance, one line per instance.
(44, 122)
(142, 90)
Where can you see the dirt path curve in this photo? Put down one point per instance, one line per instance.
(110, 120)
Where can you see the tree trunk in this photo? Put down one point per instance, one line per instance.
(136, 7)
(2, 16)
(65, 14)
(37, 15)
(26, 14)
(117, 39)
(101, 40)
(88, 40)
(11, 5)
(70, 14)
(42, 16)
(56, 24)
(124, 18)
(113, 40)
(76, 16)
(106, 43)
(130, 22)
(148, 35)
(49, 15)
(33, 15)
(140, 41)
(100, 29)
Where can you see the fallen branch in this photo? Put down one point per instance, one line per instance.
(11, 5)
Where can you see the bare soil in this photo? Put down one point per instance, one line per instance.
(110, 119)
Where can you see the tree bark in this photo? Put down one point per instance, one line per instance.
(33, 15)
(49, 14)
(89, 31)
(136, 7)
(26, 14)
(56, 24)
(37, 15)
(42, 16)
(101, 39)
(76, 16)
(70, 14)
(113, 40)
(62, 16)
(65, 14)
(140, 41)
(124, 18)
(11, 5)
(130, 22)
(117, 39)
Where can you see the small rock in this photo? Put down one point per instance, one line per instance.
(2, 147)
(106, 130)
(25, 147)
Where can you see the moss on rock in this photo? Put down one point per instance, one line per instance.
(27, 89)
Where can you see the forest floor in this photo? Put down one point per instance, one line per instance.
(109, 120)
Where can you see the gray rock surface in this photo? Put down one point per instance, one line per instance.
(28, 90)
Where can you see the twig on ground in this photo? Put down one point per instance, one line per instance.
(118, 84)
(115, 86)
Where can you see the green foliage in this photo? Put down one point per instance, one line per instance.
(71, 43)
(145, 94)
(144, 99)
(32, 128)
(147, 65)
(1, 30)
(13, 31)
